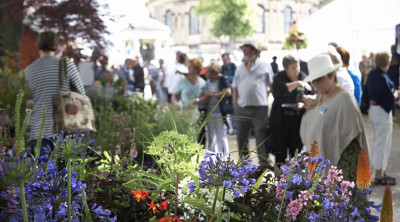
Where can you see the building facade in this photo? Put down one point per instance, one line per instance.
(190, 32)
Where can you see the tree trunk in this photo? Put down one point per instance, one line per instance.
(232, 42)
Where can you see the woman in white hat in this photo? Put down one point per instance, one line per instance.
(334, 121)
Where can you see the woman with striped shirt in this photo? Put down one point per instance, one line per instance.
(217, 86)
(43, 80)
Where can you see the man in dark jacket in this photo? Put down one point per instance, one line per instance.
(139, 76)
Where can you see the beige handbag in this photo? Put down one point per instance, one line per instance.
(71, 110)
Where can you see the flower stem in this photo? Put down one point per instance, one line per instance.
(215, 199)
(23, 200)
(176, 193)
(69, 189)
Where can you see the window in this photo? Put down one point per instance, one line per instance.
(193, 23)
(287, 15)
(261, 13)
(168, 19)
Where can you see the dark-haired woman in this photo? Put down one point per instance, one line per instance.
(42, 77)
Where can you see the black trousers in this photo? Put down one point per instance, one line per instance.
(287, 137)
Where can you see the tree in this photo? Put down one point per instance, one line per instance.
(232, 18)
(70, 19)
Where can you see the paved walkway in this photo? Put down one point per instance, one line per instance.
(393, 168)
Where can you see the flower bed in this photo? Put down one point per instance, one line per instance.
(73, 183)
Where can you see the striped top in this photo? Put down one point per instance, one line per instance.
(213, 100)
(42, 79)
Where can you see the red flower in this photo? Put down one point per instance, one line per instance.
(164, 205)
(153, 206)
(169, 219)
(140, 195)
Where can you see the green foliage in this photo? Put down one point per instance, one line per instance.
(231, 18)
(10, 84)
(175, 151)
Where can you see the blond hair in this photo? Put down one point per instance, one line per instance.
(214, 68)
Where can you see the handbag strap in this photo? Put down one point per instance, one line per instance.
(62, 66)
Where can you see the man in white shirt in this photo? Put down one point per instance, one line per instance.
(172, 76)
(250, 100)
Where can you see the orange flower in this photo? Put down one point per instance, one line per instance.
(313, 153)
(164, 205)
(140, 195)
(363, 172)
(387, 206)
(169, 219)
(153, 206)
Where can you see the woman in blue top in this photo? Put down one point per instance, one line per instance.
(380, 93)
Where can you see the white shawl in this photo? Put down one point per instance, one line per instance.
(334, 124)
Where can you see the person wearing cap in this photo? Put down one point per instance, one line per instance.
(287, 109)
(335, 121)
(380, 91)
(250, 90)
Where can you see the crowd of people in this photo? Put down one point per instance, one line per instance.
(321, 104)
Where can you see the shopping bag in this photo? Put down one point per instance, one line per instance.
(71, 110)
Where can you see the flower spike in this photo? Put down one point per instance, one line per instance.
(363, 171)
(313, 153)
(387, 206)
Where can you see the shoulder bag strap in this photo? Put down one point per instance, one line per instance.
(62, 66)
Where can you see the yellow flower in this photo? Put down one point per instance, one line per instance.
(363, 172)
(387, 206)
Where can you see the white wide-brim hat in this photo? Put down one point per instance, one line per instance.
(252, 44)
(319, 66)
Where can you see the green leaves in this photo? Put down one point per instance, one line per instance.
(199, 204)
(231, 18)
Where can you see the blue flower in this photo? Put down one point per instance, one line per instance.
(297, 179)
(313, 217)
(285, 170)
(192, 186)
(252, 180)
(289, 195)
(307, 183)
(236, 193)
(366, 191)
(355, 213)
(328, 205)
(313, 159)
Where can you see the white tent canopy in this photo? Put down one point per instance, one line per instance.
(360, 26)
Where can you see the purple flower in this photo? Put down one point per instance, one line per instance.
(236, 193)
(297, 179)
(313, 217)
(328, 205)
(355, 213)
(252, 181)
(289, 195)
(285, 170)
(192, 186)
